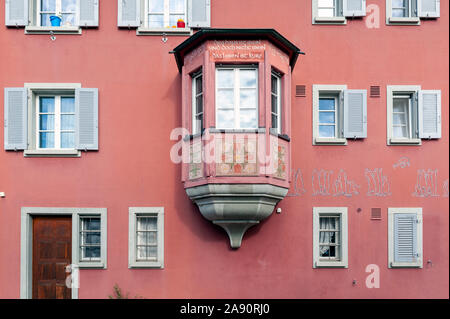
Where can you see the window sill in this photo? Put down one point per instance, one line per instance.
(330, 20)
(404, 141)
(404, 265)
(403, 21)
(231, 131)
(52, 153)
(325, 264)
(91, 265)
(138, 265)
(330, 141)
(281, 136)
(54, 30)
(164, 31)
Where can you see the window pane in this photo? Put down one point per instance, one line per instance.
(225, 119)
(399, 13)
(156, 6)
(247, 78)
(47, 104)
(400, 118)
(67, 105)
(67, 122)
(326, 131)
(146, 223)
(198, 123)
(401, 132)
(401, 105)
(69, 5)
(45, 19)
(199, 104)
(90, 223)
(146, 238)
(274, 84)
(91, 238)
(326, 104)
(176, 6)
(90, 252)
(67, 140)
(274, 104)
(326, 13)
(198, 85)
(68, 19)
(46, 122)
(326, 117)
(146, 253)
(225, 98)
(274, 121)
(324, 251)
(48, 5)
(46, 140)
(248, 98)
(225, 78)
(326, 3)
(248, 119)
(155, 21)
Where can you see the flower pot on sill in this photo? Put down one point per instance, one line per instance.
(55, 21)
(181, 24)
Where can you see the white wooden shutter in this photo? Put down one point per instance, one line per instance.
(199, 13)
(89, 13)
(16, 119)
(16, 13)
(429, 8)
(129, 13)
(355, 113)
(354, 8)
(430, 114)
(405, 238)
(86, 115)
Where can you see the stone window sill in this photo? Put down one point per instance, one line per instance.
(52, 153)
(50, 30)
(404, 21)
(164, 31)
(330, 20)
(330, 141)
(404, 141)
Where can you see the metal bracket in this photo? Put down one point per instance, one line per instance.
(52, 36)
(164, 38)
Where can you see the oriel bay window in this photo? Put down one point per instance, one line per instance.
(236, 97)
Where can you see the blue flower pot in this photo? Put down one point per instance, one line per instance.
(55, 21)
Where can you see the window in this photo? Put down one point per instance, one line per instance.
(90, 235)
(330, 237)
(164, 13)
(413, 114)
(328, 8)
(35, 15)
(68, 9)
(276, 102)
(338, 114)
(58, 119)
(55, 121)
(411, 11)
(336, 11)
(236, 98)
(405, 237)
(197, 103)
(146, 237)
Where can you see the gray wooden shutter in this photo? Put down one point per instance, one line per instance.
(199, 13)
(16, 119)
(405, 238)
(430, 8)
(355, 113)
(429, 114)
(86, 115)
(129, 13)
(89, 13)
(354, 8)
(16, 13)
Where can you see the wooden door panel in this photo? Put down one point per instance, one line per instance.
(52, 252)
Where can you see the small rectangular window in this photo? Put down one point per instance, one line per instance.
(165, 13)
(402, 12)
(328, 12)
(328, 111)
(90, 238)
(402, 116)
(401, 8)
(67, 10)
(146, 237)
(276, 93)
(197, 104)
(327, 8)
(330, 237)
(237, 98)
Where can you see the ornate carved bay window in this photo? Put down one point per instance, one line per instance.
(236, 107)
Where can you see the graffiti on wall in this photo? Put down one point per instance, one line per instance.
(426, 184)
(323, 184)
(298, 185)
(378, 184)
(403, 162)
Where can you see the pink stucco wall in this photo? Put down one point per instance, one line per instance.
(140, 103)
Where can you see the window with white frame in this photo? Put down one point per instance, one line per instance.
(51, 119)
(276, 102)
(338, 114)
(146, 237)
(405, 237)
(55, 122)
(329, 8)
(413, 114)
(165, 13)
(90, 238)
(411, 11)
(197, 103)
(330, 237)
(237, 97)
(336, 11)
(67, 10)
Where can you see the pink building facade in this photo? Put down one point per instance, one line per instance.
(133, 147)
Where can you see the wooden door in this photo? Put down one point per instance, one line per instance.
(52, 252)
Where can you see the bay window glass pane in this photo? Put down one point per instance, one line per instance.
(248, 98)
(199, 104)
(327, 117)
(67, 140)
(247, 78)
(225, 119)
(225, 78)
(46, 122)
(46, 140)
(274, 121)
(274, 104)
(156, 21)
(274, 84)
(156, 6)
(47, 104)
(248, 119)
(326, 131)
(225, 98)
(198, 85)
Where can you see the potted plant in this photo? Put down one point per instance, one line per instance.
(181, 23)
(56, 20)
